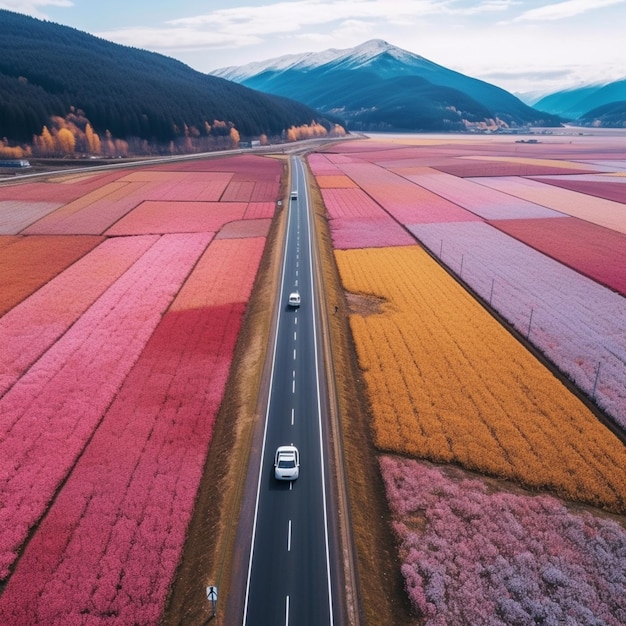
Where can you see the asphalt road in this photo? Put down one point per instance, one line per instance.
(291, 577)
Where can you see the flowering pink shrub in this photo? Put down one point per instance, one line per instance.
(592, 250)
(472, 554)
(110, 543)
(70, 386)
(576, 322)
(31, 327)
(178, 217)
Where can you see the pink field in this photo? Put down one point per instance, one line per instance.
(364, 232)
(465, 168)
(31, 327)
(27, 263)
(595, 210)
(70, 387)
(238, 191)
(351, 203)
(607, 187)
(473, 554)
(486, 203)
(335, 182)
(63, 190)
(321, 166)
(260, 210)
(592, 250)
(15, 215)
(180, 186)
(109, 546)
(244, 229)
(402, 199)
(92, 213)
(178, 217)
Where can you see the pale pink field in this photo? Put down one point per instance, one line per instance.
(404, 200)
(475, 554)
(607, 213)
(16, 215)
(177, 217)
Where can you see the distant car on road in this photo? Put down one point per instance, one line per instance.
(294, 195)
(294, 299)
(287, 463)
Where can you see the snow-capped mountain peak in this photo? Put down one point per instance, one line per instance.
(358, 56)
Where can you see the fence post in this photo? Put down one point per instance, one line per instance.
(491, 294)
(595, 383)
(530, 321)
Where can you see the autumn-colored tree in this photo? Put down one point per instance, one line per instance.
(65, 141)
(13, 152)
(47, 141)
(234, 137)
(263, 140)
(93, 140)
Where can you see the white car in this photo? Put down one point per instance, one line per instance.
(294, 299)
(287, 463)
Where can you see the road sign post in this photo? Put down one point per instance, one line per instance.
(211, 594)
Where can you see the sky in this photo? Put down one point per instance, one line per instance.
(525, 47)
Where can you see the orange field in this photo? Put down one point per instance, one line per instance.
(447, 382)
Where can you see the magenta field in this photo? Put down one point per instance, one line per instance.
(113, 373)
(537, 233)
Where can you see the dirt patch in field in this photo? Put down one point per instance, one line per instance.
(365, 304)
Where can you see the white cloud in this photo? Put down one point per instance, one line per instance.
(245, 25)
(31, 7)
(563, 10)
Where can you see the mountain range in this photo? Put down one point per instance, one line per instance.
(48, 70)
(377, 86)
(581, 102)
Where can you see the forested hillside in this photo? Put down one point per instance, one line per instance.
(48, 70)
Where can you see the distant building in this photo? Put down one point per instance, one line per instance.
(19, 163)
